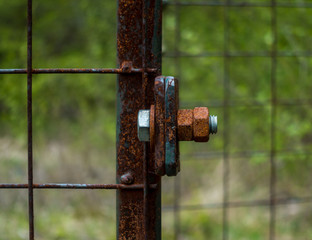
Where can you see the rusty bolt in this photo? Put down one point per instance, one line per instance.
(126, 66)
(127, 178)
(196, 124)
(193, 124)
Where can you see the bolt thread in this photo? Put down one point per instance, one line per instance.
(213, 124)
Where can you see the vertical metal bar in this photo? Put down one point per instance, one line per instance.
(177, 179)
(226, 127)
(146, 189)
(29, 121)
(145, 151)
(138, 211)
(273, 119)
(176, 207)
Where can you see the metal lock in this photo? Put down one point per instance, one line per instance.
(163, 125)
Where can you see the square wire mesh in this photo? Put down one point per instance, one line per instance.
(217, 47)
(30, 71)
(224, 51)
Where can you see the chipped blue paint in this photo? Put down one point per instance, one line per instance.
(171, 108)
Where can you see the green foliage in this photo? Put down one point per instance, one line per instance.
(74, 116)
(65, 34)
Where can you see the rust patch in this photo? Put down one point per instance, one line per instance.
(152, 128)
(160, 126)
(135, 208)
(171, 109)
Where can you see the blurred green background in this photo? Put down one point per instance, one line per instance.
(74, 119)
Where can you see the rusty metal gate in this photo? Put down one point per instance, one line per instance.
(143, 160)
(139, 58)
(145, 150)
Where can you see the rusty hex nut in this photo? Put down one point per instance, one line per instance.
(185, 124)
(201, 124)
(192, 125)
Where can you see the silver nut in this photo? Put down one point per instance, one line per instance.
(144, 125)
(213, 124)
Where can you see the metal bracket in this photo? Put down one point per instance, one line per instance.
(164, 125)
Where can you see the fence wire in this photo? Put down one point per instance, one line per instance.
(29, 71)
(174, 55)
(224, 106)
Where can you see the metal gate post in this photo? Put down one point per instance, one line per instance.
(139, 46)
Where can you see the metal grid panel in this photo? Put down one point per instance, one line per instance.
(226, 54)
(141, 75)
(227, 104)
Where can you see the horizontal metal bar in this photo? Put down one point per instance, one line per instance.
(76, 186)
(242, 4)
(247, 103)
(217, 155)
(238, 204)
(239, 54)
(77, 70)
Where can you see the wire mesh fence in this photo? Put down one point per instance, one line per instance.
(139, 194)
(250, 63)
(247, 61)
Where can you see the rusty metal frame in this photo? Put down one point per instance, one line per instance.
(139, 59)
(138, 41)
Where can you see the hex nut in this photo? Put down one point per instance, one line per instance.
(185, 124)
(201, 124)
(192, 125)
(144, 125)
